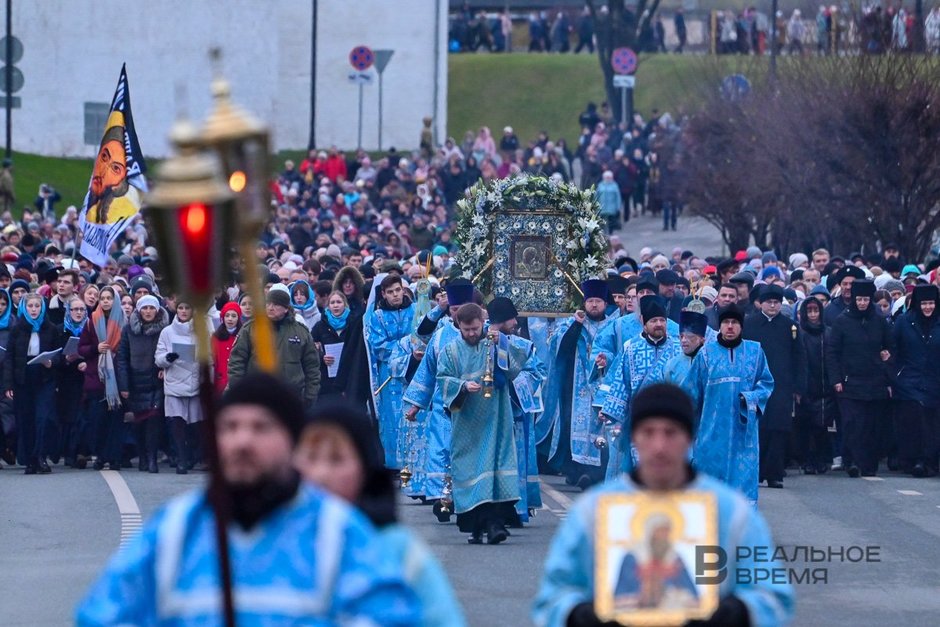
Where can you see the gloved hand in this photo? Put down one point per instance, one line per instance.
(582, 615)
(731, 612)
(171, 357)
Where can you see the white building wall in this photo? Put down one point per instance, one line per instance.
(73, 50)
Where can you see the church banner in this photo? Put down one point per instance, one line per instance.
(117, 185)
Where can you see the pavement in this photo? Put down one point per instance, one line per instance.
(692, 233)
(58, 531)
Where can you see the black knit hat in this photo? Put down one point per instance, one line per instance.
(270, 392)
(662, 400)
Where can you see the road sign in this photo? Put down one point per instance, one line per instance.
(621, 80)
(17, 49)
(14, 103)
(361, 58)
(382, 57)
(623, 61)
(360, 78)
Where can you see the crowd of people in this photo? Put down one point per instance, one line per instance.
(833, 29)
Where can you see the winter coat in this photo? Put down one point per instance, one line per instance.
(180, 378)
(14, 366)
(917, 358)
(817, 405)
(786, 359)
(855, 359)
(297, 358)
(88, 351)
(353, 374)
(68, 373)
(221, 351)
(137, 372)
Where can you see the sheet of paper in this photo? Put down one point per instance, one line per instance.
(71, 347)
(334, 350)
(41, 357)
(187, 352)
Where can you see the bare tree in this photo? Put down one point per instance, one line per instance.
(838, 152)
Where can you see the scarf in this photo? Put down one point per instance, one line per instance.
(5, 318)
(75, 328)
(36, 322)
(108, 329)
(338, 323)
(311, 297)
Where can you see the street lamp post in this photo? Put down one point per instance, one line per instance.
(191, 212)
(241, 142)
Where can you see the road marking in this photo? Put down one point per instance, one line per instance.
(131, 520)
(873, 478)
(557, 496)
(911, 493)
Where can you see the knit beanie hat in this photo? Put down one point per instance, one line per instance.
(270, 392)
(279, 297)
(662, 400)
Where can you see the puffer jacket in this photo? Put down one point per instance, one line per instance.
(137, 372)
(180, 378)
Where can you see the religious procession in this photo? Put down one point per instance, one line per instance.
(498, 381)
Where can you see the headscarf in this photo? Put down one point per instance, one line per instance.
(75, 328)
(108, 328)
(311, 299)
(5, 318)
(36, 322)
(338, 323)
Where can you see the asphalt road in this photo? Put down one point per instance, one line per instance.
(57, 531)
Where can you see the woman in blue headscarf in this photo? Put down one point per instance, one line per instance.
(339, 325)
(7, 417)
(32, 387)
(304, 303)
(76, 438)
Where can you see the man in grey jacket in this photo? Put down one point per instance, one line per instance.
(297, 358)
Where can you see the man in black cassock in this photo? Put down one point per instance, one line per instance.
(779, 336)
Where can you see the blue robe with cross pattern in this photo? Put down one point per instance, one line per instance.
(641, 363)
(384, 329)
(527, 405)
(423, 392)
(730, 388)
(412, 442)
(484, 466)
(610, 340)
(569, 398)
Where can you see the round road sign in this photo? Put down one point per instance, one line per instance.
(361, 58)
(623, 61)
(17, 50)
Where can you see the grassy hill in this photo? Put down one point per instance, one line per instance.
(533, 92)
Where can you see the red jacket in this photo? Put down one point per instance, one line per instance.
(221, 349)
(336, 167)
